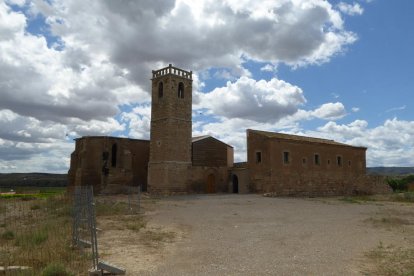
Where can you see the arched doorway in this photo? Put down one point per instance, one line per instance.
(211, 184)
(235, 181)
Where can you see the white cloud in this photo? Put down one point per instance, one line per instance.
(355, 109)
(269, 68)
(255, 100)
(396, 108)
(350, 9)
(330, 111)
(390, 144)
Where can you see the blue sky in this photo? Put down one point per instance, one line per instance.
(333, 69)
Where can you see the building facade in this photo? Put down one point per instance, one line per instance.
(295, 165)
(109, 163)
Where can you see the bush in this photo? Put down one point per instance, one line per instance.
(400, 184)
(55, 269)
(7, 235)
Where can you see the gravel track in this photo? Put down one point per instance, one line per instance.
(255, 235)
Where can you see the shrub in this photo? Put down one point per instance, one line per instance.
(55, 269)
(7, 235)
(400, 184)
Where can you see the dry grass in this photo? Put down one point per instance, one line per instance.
(390, 260)
(36, 233)
(389, 221)
(156, 237)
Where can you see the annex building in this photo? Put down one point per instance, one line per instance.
(174, 162)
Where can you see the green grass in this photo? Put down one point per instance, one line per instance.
(56, 269)
(34, 192)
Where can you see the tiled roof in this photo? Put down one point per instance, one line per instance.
(299, 138)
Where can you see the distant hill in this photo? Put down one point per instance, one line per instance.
(392, 171)
(33, 179)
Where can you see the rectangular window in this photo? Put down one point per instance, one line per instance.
(317, 161)
(304, 161)
(286, 157)
(258, 157)
(339, 160)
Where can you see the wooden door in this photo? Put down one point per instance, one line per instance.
(211, 184)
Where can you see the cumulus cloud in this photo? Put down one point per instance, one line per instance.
(390, 144)
(350, 9)
(330, 111)
(255, 100)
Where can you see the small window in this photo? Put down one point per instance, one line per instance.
(317, 161)
(258, 157)
(160, 90)
(339, 160)
(349, 163)
(329, 161)
(304, 161)
(286, 157)
(114, 152)
(181, 90)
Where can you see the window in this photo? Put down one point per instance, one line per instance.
(329, 161)
(286, 157)
(317, 161)
(160, 90)
(258, 157)
(181, 90)
(349, 163)
(114, 152)
(304, 161)
(339, 160)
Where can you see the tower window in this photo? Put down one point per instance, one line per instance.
(160, 90)
(114, 152)
(286, 157)
(339, 160)
(181, 90)
(317, 161)
(258, 157)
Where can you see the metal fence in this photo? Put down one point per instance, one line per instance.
(57, 232)
(35, 234)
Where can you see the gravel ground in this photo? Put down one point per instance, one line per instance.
(255, 235)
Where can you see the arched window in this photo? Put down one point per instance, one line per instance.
(113, 159)
(181, 90)
(160, 90)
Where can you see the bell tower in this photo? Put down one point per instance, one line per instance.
(170, 142)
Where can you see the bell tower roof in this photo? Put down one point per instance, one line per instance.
(171, 70)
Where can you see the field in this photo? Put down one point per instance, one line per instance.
(215, 235)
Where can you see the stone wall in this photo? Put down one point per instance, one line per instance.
(242, 180)
(211, 152)
(103, 161)
(168, 177)
(321, 184)
(199, 178)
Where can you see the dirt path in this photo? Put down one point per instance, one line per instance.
(255, 235)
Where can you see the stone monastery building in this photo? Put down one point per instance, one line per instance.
(175, 162)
